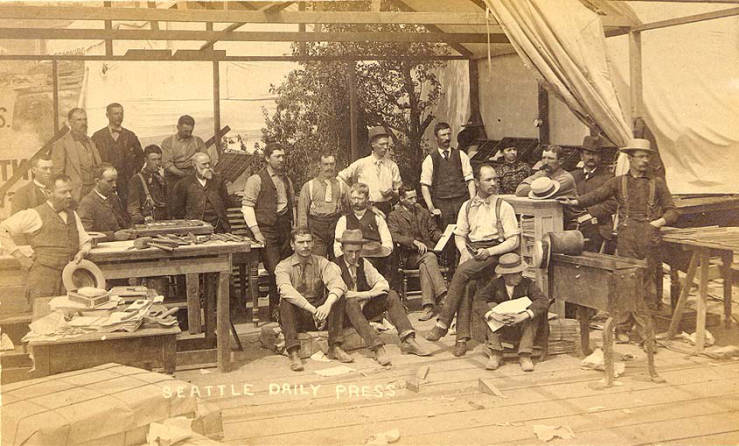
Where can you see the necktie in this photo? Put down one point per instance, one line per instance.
(327, 196)
(446, 154)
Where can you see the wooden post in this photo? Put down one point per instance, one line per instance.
(217, 104)
(543, 104)
(635, 75)
(302, 46)
(108, 27)
(55, 92)
(353, 113)
(474, 75)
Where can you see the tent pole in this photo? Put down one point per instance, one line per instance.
(55, 92)
(353, 113)
(543, 104)
(635, 76)
(217, 104)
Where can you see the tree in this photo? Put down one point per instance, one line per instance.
(312, 112)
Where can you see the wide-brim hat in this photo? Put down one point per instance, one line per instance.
(593, 144)
(375, 249)
(543, 188)
(374, 132)
(637, 144)
(510, 263)
(83, 274)
(352, 236)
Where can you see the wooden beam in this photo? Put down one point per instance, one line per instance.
(209, 56)
(635, 74)
(688, 19)
(474, 75)
(261, 36)
(108, 26)
(461, 49)
(234, 26)
(217, 104)
(354, 131)
(153, 23)
(55, 92)
(682, 1)
(268, 15)
(543, 104)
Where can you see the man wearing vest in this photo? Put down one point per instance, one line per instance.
(101, 210)
(416, 233)
(446, 181)
(486, 228)
(644, 206)
(268, 208)
(119, 147)
(36, 191)
(368, 296)
(518, 327)
(311, 297)
(377, 171)
(373, 227)
(202, 196)
(56, 235)
(322, 201)
(147, 193)
(76, 155)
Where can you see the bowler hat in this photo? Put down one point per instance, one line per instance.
(510, 263)
(353, 237)
(83, 274)
(543, 188)
(593, 144)
(370, 248)
(637, 144)
(374, 132)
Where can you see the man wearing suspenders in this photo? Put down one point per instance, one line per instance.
(147, 193)
(486, 229)
(644, 205)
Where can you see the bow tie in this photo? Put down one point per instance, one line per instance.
(477, 201)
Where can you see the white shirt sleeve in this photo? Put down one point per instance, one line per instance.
(385, 238)
(374, 278)
(508, 218)
(397, 181)
(85, 239)
(340, 228)
(23, 222)
(427, 171)
(347, 175)
(463, 225)
(466, 167)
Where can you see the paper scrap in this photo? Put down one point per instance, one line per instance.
(5, 343)
(335, 371)
(319, 356)
(166, 435)
(547, 433)
(49, 324)
(691, 338)
(422, 372)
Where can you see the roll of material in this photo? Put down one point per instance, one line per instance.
(566, 242)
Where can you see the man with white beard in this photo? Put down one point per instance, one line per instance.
(201, 196)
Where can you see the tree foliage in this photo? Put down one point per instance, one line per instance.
(312, 114)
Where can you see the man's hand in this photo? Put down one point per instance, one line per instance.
(658, 223)
(24, 260)
(258, 236)
(79, 256)
(515, 318)
(420, 247)
(322, 312)
(481, 254)
(436, 212)
(568, 201)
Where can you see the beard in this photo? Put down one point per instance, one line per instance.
(206, 173)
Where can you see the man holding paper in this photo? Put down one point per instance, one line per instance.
(512, 306)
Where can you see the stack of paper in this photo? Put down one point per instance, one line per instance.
(508, 307)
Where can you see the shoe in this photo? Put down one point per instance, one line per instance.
(274, 314)
(428, 313)
(622, 338)
(409, 346)
(296, 365)
(381, 356)
(460, 348)
(527, 365)
(338, 354)
(494, 361)
(436, 333)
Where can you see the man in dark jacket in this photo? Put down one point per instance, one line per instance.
(147, 193)
(119, 147)
(202, 196)
(36, 191)
(517, 326)
(413, 228)
(101, 209)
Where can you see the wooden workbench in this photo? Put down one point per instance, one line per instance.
(118, 261)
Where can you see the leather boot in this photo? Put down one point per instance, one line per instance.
(409, 346)
(381, 356)
(338, 354)
(436, 333)
(296, 364)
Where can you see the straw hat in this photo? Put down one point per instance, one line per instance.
(510, 263)
(83, 274)
(543, 188)
(637, 144)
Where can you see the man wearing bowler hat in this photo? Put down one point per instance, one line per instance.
(369, 295)
(644, 206)
(377, 171)
(518, 326)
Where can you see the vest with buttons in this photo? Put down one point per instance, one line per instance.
(368, 225)
(361, 284)
(265, 209)
(56, 243)
(447, 180)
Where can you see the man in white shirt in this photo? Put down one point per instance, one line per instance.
(377, 171)
(56, 235)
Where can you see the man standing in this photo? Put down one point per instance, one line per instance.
(101, 210)
(268, 208)
(412, 227)
(644, 206)
(486, 228)
(511, 171)
(322, 201)
(518, 327)
(594, 222)
(311, 296)
(202, 196)
(56, 235)
(552, 168)
(147, 195)
(119, 147)
(178, 150)
(368, 296)
(36, 191)
(373, 227)
(76, 155)
(377, 171)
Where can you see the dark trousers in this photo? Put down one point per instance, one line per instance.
(449, 208)
(44, 281)
(359, 317)
(276, 248)
(457, 301)
(524, 333)
(387, 266)
(433, 284)
(323, 230)
(172, 179)
(294, 320)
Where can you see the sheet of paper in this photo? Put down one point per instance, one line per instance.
(510, 306)
(448, 233)
(335, 371)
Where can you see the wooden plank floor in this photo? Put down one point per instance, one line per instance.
(698, 405)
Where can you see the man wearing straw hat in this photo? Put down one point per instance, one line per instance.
(644, 206)
(369, 295)
(518, 326)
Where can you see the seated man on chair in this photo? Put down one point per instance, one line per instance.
(516, 326)
(369, 295)
(311, 296)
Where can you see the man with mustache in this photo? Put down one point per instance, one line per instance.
(76, 155)
(178, 151)
(551, 167)
(56, 235)
(201, 196)
(147, 199)
(101, 210)
(36, 191)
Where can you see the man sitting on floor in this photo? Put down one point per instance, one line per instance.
(519, 326)
(311, 294)
(369, 295)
